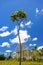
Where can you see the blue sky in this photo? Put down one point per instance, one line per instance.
(31, 31)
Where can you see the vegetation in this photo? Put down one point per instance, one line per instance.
(35, 61)
(2, 57)
(15, 62)
(19, 16)
(30, 55)
(36, 56)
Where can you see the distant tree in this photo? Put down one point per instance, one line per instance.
(41, 52)
(35, 54)
(35, 47)
(19, 16)
(2, 57)
(10, 56)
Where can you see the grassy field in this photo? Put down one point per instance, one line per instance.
(14, 62)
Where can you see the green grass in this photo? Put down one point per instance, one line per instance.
(14, 62)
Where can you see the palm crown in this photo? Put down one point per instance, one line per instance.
(19, 15)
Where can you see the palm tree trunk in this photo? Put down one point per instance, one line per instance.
(19, 44)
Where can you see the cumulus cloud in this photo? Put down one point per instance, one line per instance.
(7, 33)
(37, 10)
(4, 34)
(14, 31)
(35, 39)
(3, 28)
(32, 44)
(39, 47)
(23, 35)
(5, 44)
(29, 24)
(15, 40)
(21, 25)
(8, 51)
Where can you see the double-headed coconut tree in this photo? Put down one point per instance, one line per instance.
(18, 17)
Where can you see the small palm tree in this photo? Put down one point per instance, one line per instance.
(19, 16)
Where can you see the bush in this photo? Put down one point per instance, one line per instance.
(2, 57)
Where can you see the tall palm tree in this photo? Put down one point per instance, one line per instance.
(19, 16)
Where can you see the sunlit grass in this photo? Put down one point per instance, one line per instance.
(14, 62)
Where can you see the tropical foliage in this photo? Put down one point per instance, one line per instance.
(19, 16)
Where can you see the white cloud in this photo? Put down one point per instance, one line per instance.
(15, 30)
(35, 39)
(4, 34)
(32, 44)
(7, 33)
(5, 44)
(39, 47)
(8, 51)
(23, 35)
(21, 25)
(3, 28)
(29, 24)
(15, 40)
(37, 10)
